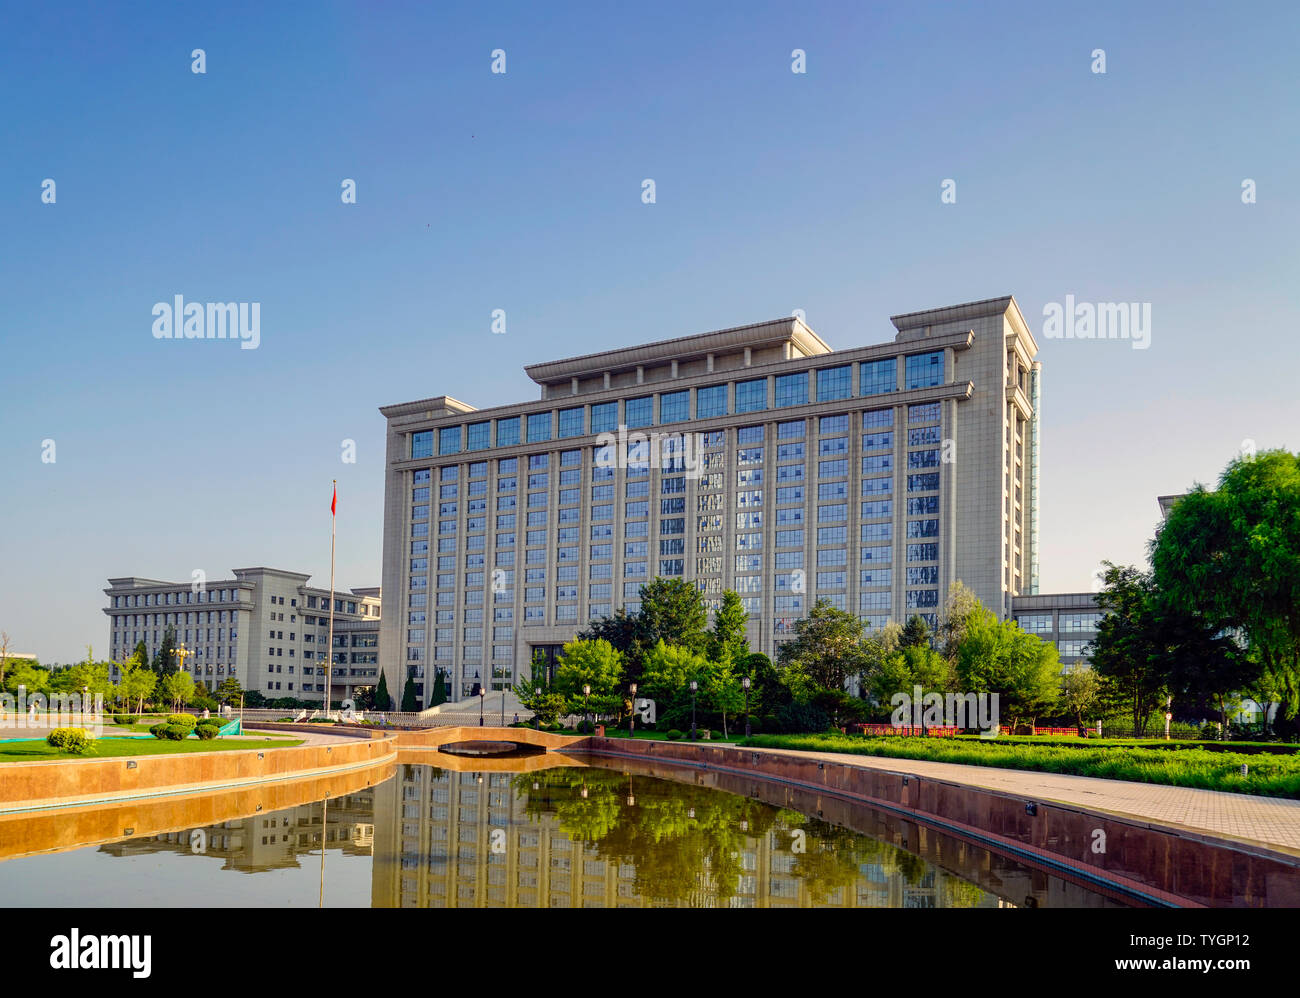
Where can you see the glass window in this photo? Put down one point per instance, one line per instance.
(924, 370)
(571, 422)
(674, 407)
(926, 413)
(640, 412)
(422, 444)
(751, 396)
(879, 376)
(449, 440)
(834, 383)
(792, 389)
(508, 432)
(711, 401)
(539, 427)
(478, 436)
(604, 417)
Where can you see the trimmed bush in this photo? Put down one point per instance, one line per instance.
(125, 718)
(75, 740)
(187, 720)
(206, 732)
(585, 727)
(170, 732)
(673, 735)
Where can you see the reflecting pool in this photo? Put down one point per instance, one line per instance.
(446, 835)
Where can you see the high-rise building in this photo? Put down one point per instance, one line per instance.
(265, 627)
(756, 459)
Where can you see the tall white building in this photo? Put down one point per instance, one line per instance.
(756, 459)
(266, 627)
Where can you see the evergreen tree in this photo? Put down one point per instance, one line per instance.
(164, 662)
(409, 702)
(728, 633)
(439, 690)
(383, 700)
(916, 633)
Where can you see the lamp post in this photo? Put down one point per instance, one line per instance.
(746, 683)
(482, 696)
(631, 719)
(694, 686)
(586, 702)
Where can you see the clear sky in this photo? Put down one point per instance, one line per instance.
(521, 191)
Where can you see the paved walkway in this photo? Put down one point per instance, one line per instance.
(1268, 821)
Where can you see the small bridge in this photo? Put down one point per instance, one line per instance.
(432, 738)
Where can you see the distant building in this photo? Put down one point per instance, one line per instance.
(265, 627)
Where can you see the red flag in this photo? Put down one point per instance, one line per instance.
(334, 502)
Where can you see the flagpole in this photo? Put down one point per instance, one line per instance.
(329, 652)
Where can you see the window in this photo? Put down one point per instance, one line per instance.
(927, 482)
(539, 427)
(791, 389)
(508, 432)
(924, 370)
(834, 383)
(422, 444)
(878, 441)
(923, 552)
(711, 401)
(604, 417)
(751, 396)
(674, 407)
(571, 422)
(927, 413)
(879, 377)
(478, 436)
(640, 412)
(449, 440)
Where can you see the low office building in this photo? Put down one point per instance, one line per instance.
(265, 627)
(755, 459)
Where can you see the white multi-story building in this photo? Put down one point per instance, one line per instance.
(265, 627)
(755, 459)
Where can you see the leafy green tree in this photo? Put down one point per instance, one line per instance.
(727, 636)
(142, 653)
(27, 673)
(827, 649)
(410, 702)
(668, 671)
(1081, 696)
(383, 699)
(996, 656)
(229, 692)
(904, 669)
(593, 663)
(961, 604)
(1128, 652)
(626, 633)
(164, 661)
(916, 633)
(178, 688)
(1233, 556)
(768, 692)
(673, 610)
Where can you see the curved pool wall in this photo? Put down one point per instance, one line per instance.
(1150, 863)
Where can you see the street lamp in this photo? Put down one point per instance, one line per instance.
(586, 702)
(694, 686)
(746, 683)
(482, 696)
(631, 720)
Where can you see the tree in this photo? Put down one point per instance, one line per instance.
(141, 653)
(229, 692)
(410, 703)
(673, 610)
(827, 649)
(1081, 696)
(916, 633)
(1233, 555)
(1127, 651)
(589, 663)
(137, 684)
(178, 687)
(4, 655)
(383, 700)
(27, 673)
(906, 668)
(626, 634)
(727, 636)
(996, 656)
(164, 661)
(439, 689)
(668, 671)
(961, 604)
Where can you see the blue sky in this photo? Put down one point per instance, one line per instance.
(775, 191)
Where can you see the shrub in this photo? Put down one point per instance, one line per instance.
(755, 726)
(673, 735)
(125, 718)
(186, 720)
(770, 723)
(801, 717)
(585, 727)
(207, 732)
(75, 740)
(170, 732)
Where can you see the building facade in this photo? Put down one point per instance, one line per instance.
(265, 627)
(755, 459)
(1066, 620)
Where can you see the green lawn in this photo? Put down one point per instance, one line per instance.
(1267, 775)
(39, 751)
(661, 736)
